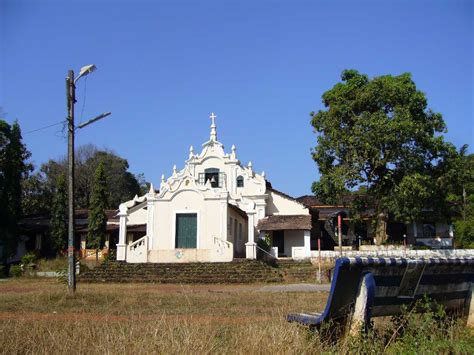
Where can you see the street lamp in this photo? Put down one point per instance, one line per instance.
(71, 100)
(85, 71)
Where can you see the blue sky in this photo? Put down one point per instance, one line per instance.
(262, 66)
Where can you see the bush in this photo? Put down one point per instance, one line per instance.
(265, 243)
(28, 258)
(16, 270)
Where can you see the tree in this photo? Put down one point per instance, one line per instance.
(123, 185)
(377, 134)
(14, 169)
(59, 215)
(97, 217)
(36, 199)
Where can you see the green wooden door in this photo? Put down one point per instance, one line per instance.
(186, 230)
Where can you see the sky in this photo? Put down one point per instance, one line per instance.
(261, 66)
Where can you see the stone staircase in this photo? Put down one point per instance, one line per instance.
(297, 271)
(239, 271)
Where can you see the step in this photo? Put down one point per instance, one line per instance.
(238, 271)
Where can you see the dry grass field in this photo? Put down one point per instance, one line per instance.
(37, 316)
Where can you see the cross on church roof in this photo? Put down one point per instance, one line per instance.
(213, 127)
(212, 117)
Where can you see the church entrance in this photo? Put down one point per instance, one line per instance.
(186, 230)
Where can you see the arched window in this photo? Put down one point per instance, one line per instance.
(240, 181)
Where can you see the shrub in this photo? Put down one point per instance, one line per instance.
(28, 258)
(16, 270)
(265, 243)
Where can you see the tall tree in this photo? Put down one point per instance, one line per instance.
(98, 202)
(377, 134)
(123, 185)
(14, 168)
(59, 215)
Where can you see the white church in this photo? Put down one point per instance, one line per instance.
(213, 210)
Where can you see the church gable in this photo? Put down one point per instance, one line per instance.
(213, 168)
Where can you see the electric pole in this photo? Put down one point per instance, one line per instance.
(71, 100)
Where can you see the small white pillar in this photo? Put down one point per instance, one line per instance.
(122, 246)
(150, 197)
(415, 230)
(251, 246)
(307, 244)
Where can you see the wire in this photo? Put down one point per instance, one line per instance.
(45, 127)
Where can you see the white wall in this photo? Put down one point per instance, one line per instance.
(278, 204)
(137, 215)
(293, 239)
(443, 253)
(187, 201)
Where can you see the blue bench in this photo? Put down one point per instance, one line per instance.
(365, 287)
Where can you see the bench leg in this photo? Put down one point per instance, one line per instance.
(470, 308)
(363, 305)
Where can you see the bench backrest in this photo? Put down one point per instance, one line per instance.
(398, 281)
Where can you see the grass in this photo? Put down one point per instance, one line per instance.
(56, 264)
(37, 316)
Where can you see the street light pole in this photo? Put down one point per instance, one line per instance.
(71, 100)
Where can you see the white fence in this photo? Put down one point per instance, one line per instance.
(397, 253)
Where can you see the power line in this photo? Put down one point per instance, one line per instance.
(45, 127)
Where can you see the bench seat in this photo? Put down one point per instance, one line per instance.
(362, 288)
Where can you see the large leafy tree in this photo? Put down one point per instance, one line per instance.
(98, 202)
(59, 217)
(14, 169)
(123, 185)
(379, 136)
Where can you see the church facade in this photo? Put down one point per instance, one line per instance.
(212, 210)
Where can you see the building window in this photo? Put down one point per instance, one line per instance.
(240, 181)
(230, 229)
(429, 230)
(212, 175)
(240, 231)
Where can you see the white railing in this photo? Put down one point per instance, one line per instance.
(223, 249)
(221, 243)
(138, 251)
